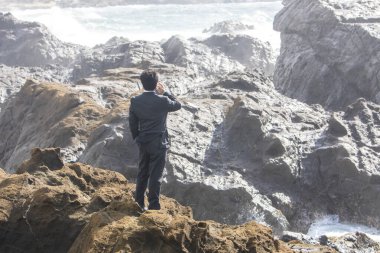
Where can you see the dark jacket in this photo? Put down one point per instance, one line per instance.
(148, 113)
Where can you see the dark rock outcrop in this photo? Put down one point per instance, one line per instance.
(32, 44)
(329, 51)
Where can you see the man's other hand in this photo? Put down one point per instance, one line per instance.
(160, 89)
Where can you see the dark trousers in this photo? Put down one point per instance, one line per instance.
(151, 166)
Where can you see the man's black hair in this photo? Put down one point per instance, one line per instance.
(149, 80)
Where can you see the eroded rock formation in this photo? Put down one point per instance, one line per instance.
(45, 208)
(240, 150)
(329, 51)
(49, 206)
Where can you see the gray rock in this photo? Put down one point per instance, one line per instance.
(198, 57)
(116, 53)
(329, 51)
(12, 78)
(31, 44)
(355, 243)
(240, 150)
(250, 52)
(228, 26)
(288, 236)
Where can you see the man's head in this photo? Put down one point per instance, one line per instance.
(149, 80)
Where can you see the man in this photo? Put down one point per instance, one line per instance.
(147, 122)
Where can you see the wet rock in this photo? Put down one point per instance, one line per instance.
(355, 242)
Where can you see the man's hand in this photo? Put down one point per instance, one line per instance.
(160, 89)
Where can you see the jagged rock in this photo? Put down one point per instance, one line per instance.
(49, 158)
(46, 115)
(12, 78)
(78, 208)
(240, 150)
(337, 128)
(330, 51)
(170, 231)
(198, 57)
(116, 53)
(354, 243)
(31, 44)
(250, 52)
(46, 208)
(228, 26)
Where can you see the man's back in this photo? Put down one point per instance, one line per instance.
(148, 113)
(147, 122)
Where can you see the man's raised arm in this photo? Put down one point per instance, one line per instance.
(173, 104)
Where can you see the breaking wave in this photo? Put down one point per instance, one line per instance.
(91, 26)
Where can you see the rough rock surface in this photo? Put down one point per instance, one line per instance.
(204, 59)
(250, 52)
(355, 243)
(45, 208)
(330, 51)
(12, 78)
(228, 26)
(46, 115)
(240, 150)
(50, 206)
(31, 44)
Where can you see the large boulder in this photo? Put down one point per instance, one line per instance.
(250, 52)
(329, 51)
(117, 52)
(31, 44)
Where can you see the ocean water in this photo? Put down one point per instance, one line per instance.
(331, 226)
(91, 26)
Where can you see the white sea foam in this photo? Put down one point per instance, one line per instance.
(90, 26)
(331, 226)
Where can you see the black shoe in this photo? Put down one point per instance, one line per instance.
(142, 207)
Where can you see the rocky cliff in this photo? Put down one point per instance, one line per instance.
(240, 150)
(329, 51)
(49, 206)
(31, 44)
